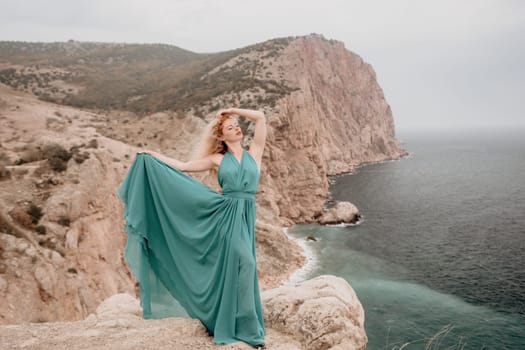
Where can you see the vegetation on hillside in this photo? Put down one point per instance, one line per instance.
(142, 78)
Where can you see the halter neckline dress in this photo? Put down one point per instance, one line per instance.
(192, 249)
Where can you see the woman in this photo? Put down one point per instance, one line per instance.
(188, 244)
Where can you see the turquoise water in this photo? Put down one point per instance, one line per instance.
(440, 249)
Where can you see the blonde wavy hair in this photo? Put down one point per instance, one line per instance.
(210, 142)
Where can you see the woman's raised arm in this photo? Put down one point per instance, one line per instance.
(259, 135)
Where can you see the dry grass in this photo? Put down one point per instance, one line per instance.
(433, 343)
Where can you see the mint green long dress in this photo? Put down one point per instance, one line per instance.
(193, 247)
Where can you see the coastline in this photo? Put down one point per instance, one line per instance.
(333, 178)
(384, 287)
(310, 261)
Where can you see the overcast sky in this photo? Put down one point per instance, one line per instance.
(446, 63)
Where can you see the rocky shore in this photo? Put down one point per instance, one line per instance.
(320, 314)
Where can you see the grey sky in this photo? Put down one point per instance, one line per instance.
(441, 63)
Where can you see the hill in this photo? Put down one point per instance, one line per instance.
(142, 78)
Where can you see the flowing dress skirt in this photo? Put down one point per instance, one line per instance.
(190, 246)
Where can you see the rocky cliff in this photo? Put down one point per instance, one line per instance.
(335, 119)
(61, 233)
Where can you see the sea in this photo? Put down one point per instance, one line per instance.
(438, 257)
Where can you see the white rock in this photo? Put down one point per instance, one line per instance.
(9, 242)
(56, 229)
(31, 252)
(3, 284)
(56, 258)
(119, 306)
(72, 238)
(91, 318)
(120, 323)
(21, 246)
(322, 313)
(46, 278)
(342, 212)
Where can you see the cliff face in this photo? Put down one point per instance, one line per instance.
(60, 234)
(336, 118)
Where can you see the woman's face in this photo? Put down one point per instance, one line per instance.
(231, 131)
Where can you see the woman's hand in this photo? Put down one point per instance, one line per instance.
(151, 153)
(250, 114)
(226, 112)
(259, 134)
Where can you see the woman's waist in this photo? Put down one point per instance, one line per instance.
(239, 194)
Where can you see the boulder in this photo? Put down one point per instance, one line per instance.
(321, 313)
(342, 212)
(119, 306)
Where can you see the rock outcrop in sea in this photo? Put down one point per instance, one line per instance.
(340, 213)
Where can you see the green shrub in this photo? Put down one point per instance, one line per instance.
(57, 164)
(57, 156)
(81, 157)
(64, 221)
(35, 212)
(93, 143)
(54, 150)
(41, 229)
